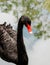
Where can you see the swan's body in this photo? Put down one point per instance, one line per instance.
(12, 48)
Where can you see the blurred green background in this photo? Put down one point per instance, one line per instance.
(37, 10)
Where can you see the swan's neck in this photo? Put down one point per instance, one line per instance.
(20, 33)
(22, 55)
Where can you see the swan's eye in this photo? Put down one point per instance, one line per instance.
(29, 28)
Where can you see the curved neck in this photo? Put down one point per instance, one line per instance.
(20, 32)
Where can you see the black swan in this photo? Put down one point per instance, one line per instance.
(12, 48)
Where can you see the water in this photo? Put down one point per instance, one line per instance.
(38, 49)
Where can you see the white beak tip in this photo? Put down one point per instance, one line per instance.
(31, 32)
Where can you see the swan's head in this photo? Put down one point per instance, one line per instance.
(27, 22)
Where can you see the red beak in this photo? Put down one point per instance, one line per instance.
(29, 28)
